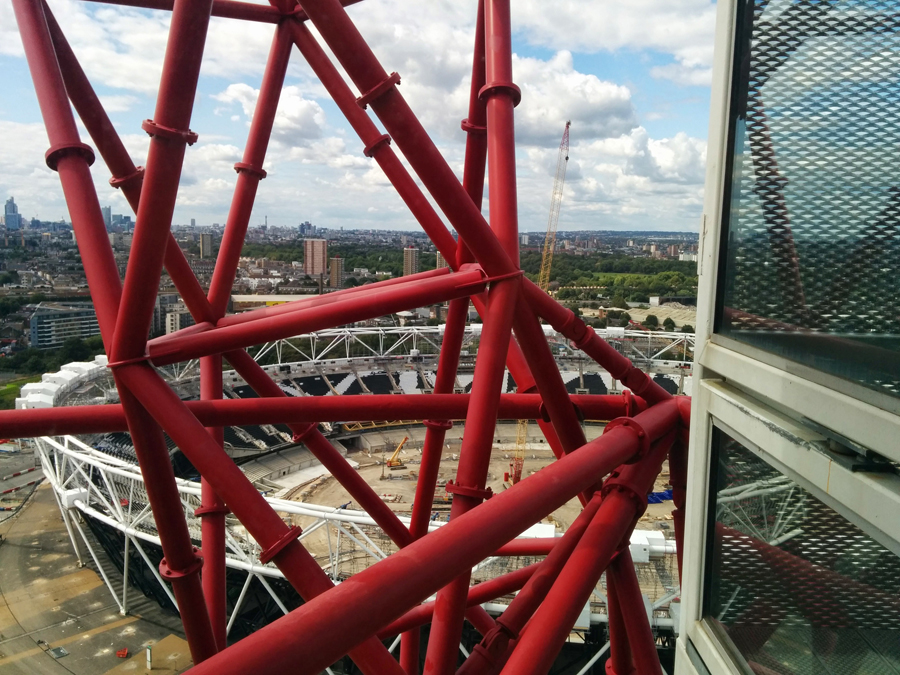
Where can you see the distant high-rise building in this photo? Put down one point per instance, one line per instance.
(11, 217)
(53, 323)
(440, 261)
(337, 273)
(524, 240)
(307, 229)
(178, 318)
(206, 250)
(410, 261)
(315, 256)
(193, 223)
(107, 216)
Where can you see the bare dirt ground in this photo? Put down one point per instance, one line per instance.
(398, 487)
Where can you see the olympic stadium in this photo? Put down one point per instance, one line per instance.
(99, 489)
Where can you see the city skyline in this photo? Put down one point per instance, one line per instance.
(633, 81)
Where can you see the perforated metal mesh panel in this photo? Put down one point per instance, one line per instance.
(812, 252)
(796, 587)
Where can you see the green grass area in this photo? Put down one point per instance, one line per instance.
(10, 391)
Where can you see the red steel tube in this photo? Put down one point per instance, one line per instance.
(92, 419)
(375, 144)
(546, 375)
(619, 511)
(178, 84)
(478, 594)
(226, 9)
(353, 308)
(500, 93)
(319, 300)
(264, 525)
(634, 615)
(474, 459)
(212, 516)
(180, 558)
(620, 367)
(432, 449)
(113, 151)
(500, 519)
(489, 653)
(71, 159)
(102, 274)
(250, 173)
(401, 123)
(620, 662)
(326, 453)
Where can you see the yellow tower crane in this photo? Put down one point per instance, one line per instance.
(562, 160)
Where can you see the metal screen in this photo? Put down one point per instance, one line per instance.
(812, 254)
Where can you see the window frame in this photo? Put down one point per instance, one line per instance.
(761, 398)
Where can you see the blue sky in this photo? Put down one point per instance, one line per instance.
(632, 75)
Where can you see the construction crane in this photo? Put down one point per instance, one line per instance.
(562, 160)
(393, 462)
(559, 182)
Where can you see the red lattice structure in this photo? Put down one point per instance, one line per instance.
(386, 599)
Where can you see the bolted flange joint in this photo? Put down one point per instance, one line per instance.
(250, 169)
(171, 574)
(642, 438)
(627, 487)
(120, 181)
(438, 424)
(466, 491)
(376, 145)
(303, 433)
(168, 133)
(279, 545)
(56, 151)
(470, 128)
(494, 88)
(211, 510)
(378, 90)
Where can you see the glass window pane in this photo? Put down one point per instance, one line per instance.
(796, 588)
(812, 218)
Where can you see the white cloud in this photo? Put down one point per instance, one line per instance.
(297, 120)
(553, 92)
(683, 29)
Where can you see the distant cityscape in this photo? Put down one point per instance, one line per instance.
(45, 304)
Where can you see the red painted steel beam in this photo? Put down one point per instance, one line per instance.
(620, 661)
(378, 588)
(250, 171)
(70, 158)
(170, 134)
(405, 129)
(492, 651)
(327, 454)
(620, 367)
(349, 310)
(432, 448)
(634, 614)
(474, 460)
(376, 144)
(278, 542)
(624, 500)
(478, 595)
(330, 298)
(93, 419)
(227, 9)
(125, 175)
(212, 516)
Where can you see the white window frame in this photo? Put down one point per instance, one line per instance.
(760, 399)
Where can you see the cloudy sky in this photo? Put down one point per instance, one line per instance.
(632, 75)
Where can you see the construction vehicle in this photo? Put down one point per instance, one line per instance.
(562, 160)
(394, 463)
